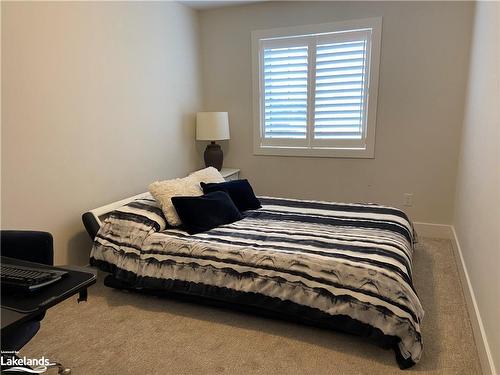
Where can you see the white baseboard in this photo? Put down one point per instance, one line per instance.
(483, 348)
(445, 231)
(433, 230)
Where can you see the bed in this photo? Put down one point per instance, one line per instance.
(337, 265)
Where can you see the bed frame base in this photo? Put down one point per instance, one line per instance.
(254, 304)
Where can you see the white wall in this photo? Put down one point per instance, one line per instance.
(477, 212)
(423, 73)
(98, 100)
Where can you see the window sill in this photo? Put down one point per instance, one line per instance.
(358, 153)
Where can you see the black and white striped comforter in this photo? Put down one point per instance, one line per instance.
(343, 260)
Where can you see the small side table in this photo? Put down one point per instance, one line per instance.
(230, 174)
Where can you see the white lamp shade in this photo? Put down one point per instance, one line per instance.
(212, 126)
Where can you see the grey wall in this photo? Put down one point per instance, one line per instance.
(477, 215)
(423, 73)
(98, 100)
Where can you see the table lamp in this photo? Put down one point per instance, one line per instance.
(212, 126)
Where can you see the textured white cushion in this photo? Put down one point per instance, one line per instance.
(163, 191)
(208, 175)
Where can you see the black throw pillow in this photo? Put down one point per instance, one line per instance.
(240, 192)
(199, 214)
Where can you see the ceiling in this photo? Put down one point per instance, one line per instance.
(200, 4)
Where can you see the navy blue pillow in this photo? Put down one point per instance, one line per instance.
(199, 214)
(240, 192)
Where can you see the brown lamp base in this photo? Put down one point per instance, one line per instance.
(213, 156)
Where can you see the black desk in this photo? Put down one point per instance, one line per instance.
(77, 281)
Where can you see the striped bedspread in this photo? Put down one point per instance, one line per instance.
(343, 260)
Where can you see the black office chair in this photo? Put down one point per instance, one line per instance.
(31, 246)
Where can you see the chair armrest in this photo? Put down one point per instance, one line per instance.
(31, 246)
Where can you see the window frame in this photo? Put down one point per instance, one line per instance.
(310, 147)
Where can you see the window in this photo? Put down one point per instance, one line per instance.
(315, 89)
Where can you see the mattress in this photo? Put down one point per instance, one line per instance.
(350, 264)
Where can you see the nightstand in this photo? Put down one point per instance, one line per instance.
(230, 174)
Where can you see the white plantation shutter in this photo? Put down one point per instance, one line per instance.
(314, 89)
(285, 92)
(340, 90)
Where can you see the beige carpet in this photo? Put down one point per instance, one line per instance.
(124, 333)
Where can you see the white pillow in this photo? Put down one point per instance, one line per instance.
(163, 191)
(208, 175)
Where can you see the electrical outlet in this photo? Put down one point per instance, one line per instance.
(408, 199)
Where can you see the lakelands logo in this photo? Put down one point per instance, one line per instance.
(12, 363)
